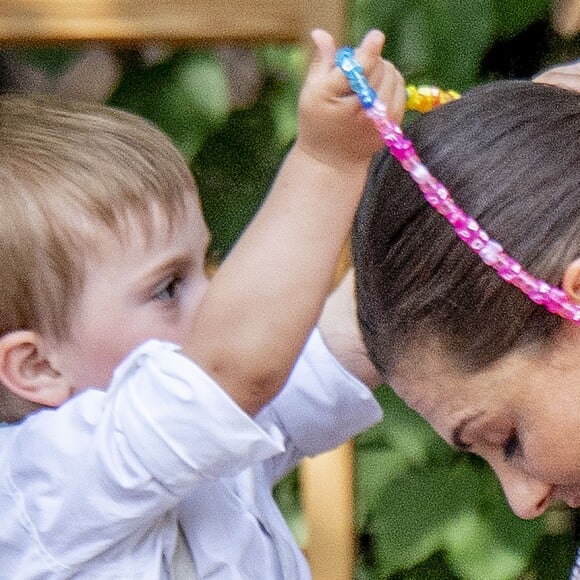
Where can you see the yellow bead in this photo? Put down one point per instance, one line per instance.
(424, 97)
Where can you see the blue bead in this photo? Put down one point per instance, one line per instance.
(354, 73)
(345, 59)
(367, 97)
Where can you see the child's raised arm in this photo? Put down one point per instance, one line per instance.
(264, 300)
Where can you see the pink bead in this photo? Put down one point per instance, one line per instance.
(433, 193)
(477, 244)
(468, 232)
(511, 270)
(490, 252)
(403, 151)
(557, 294)
(525, 282)
(446, 207)
(540, 293)
(458, 219)
(420, 173)
(410, 163)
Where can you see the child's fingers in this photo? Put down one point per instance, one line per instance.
(370, 48)
(382, 75)
(392, 91)
(369, 55)
(325, 50)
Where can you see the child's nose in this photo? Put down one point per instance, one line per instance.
(528, 497)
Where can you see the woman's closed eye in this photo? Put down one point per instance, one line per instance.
(511, 445)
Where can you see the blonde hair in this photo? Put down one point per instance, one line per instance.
(63, 167)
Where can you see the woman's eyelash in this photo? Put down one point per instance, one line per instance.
(511, 445)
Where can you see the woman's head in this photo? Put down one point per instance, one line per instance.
(509, 154)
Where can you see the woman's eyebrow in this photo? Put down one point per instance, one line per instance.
(457, 434)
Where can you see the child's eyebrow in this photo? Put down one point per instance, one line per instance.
(163, 268)
(457, 434)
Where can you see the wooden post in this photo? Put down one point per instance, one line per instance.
(327, 499)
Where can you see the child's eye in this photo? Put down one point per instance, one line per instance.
(511, 445)
(168, 290)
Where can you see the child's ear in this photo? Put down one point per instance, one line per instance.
(26, 371)
(571, 281)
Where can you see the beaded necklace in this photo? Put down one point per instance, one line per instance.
(552, 298)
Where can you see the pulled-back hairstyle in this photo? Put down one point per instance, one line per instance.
(509, 154)
(65, 167)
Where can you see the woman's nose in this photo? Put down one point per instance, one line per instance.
(528, 497)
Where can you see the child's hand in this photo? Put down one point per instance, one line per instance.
(566, 76)
(340, 331)
(332, 125)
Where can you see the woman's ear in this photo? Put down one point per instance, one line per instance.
(26, 371)
(571, 281)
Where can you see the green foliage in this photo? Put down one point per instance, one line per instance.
(53, 61)
(185, 95)
(438, 42)
(443, 42)
(510, 18)
(237, 163)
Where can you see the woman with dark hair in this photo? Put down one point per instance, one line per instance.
(495, 368)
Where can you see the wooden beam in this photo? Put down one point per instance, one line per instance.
(191, 21)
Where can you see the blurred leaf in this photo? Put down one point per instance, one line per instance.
(519, 535)
(185, 95)
(199, 78)
(413, 514)
(404, 431)
(437, 42)
(434, 568)
(287, 496)
(374, 469)
(553, 558)
(513, 16)
(287, 65)
(235, 169)
(476, 548)
(53, 61)
(460, 33)
(403, 442)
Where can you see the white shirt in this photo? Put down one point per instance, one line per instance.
(99, 487)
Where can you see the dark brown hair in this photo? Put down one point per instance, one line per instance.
(509, 153)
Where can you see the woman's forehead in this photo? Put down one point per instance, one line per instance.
(431, 383)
